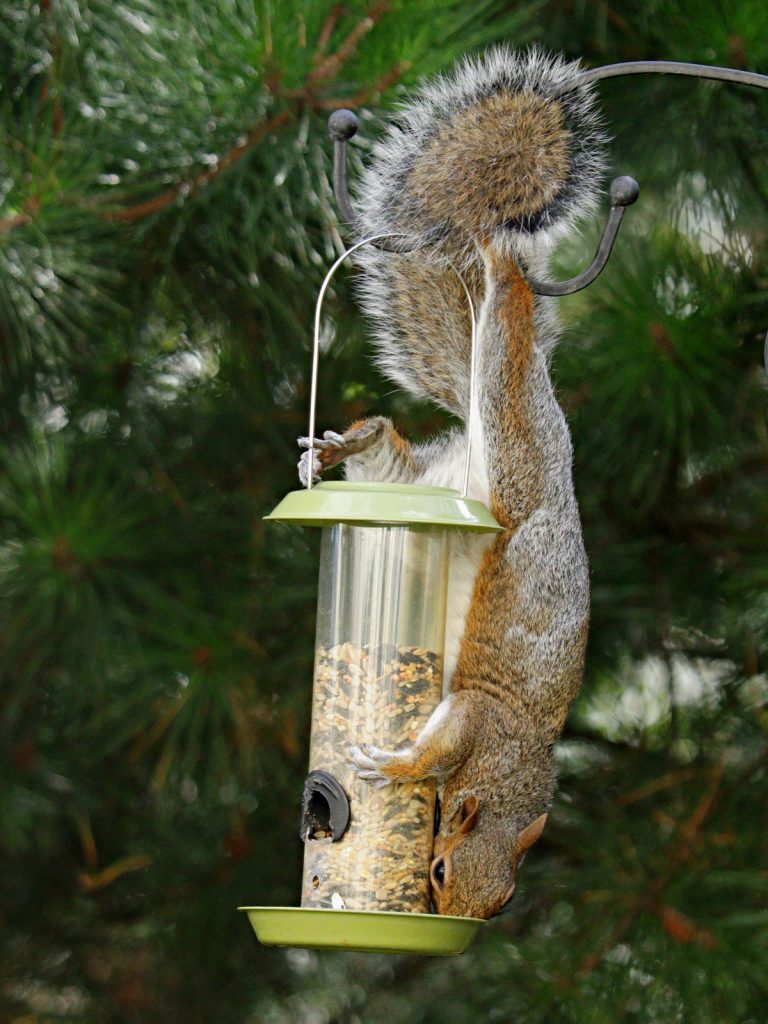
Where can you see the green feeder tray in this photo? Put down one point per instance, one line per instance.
(384, 504)
(366, 931)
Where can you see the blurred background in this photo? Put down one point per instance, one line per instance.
(166, 219)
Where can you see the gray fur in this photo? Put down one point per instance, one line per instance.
(385, 205)
(382, 197)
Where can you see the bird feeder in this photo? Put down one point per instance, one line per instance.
(384, 576)
(384, 569)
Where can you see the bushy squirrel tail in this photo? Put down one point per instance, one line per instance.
(505, 148)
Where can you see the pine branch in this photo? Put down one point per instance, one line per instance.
(657, 785)
(687, 832)
(91, 881)
(324, 37)
(330, 66)
(386, 81)
(16, 221)
(306, 97)
(167, 198)
(615, 18)
(753, 461)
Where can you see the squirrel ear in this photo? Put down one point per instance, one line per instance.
(469, 810)
(531, 833)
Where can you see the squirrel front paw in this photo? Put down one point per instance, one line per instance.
(381, 767)
(325, 453)
(363, 436)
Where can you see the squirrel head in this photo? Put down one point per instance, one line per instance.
(476, 860)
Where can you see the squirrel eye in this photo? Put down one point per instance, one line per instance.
(438, 873)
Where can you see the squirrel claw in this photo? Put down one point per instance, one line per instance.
(374, 779)
(326, 452)
(303, 465)
(330, 439)
(368, 763)
(334, 439)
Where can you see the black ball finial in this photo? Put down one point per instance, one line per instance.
(624, 191)
(342, 125)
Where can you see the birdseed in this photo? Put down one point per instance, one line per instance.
(381, 695)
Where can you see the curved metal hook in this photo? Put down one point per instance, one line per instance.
(669, 67)
(624, 192)
(676, 67)
(343, 125)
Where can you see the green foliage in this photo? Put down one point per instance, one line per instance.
(165, 221)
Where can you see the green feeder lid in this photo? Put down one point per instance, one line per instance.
(377, 504)
(378, 931)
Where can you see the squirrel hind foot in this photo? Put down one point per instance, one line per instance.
(370, 764)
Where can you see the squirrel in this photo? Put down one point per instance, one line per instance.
(489, 166)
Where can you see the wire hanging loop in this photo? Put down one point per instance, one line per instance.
(316, 356)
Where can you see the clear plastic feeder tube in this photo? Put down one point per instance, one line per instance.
(378, 677)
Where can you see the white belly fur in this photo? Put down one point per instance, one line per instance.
(467, 548)
(466, 555)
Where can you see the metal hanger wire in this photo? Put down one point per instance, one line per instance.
(373, 239)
